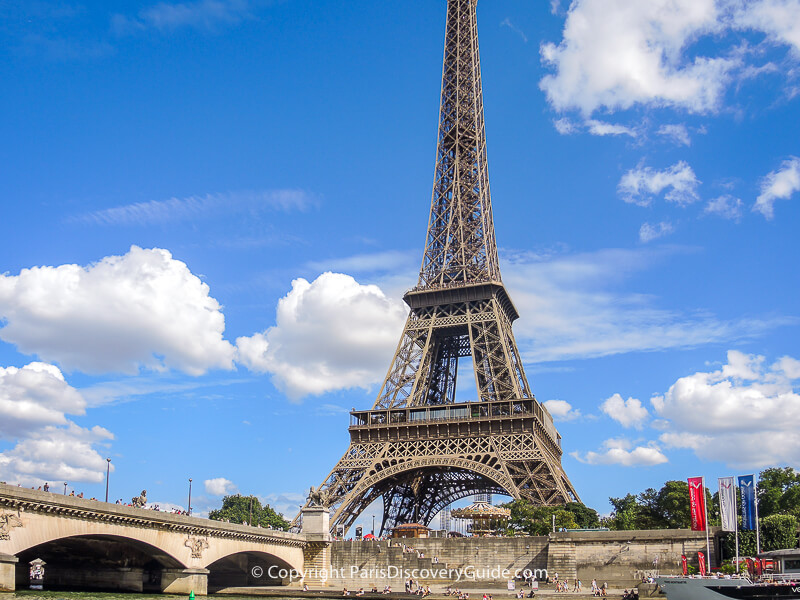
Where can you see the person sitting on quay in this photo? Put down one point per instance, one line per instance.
(345, 592)
(360, 592)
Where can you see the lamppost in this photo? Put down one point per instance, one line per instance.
(373, 525)
(65, 488)
(108, 471)
(190, 496)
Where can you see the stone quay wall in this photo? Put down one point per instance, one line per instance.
(619, 557)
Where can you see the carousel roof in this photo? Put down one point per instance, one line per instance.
(481, 510)
(411, 526)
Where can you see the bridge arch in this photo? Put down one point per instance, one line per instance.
(288, 556)
(99, 562)
(249, 568)
(179, 547)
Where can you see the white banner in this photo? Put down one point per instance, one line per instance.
(727, 503)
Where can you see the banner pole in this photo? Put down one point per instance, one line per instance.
(755, 502)
(736, 523)
(708, 542)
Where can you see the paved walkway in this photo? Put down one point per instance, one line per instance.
(475, 593)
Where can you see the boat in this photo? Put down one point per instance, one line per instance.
(783, 584)
(739, 588)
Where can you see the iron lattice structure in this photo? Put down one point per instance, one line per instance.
(419, 449)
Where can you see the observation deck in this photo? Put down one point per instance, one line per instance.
(459, 419)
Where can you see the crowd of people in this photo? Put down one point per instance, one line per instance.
(120, 502)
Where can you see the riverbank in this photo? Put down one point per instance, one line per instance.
(497, 593)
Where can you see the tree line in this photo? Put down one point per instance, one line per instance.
(668, 508)
(248, 510)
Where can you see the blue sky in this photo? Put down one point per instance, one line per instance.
(212, 208)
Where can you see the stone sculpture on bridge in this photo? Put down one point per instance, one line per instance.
(140, 501)
(196, 545)
(318, 497)
(7, 522)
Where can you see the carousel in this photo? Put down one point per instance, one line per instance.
(486, 519)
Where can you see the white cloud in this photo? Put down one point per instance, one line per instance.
(640, 185)
(332, 333)
(778, 185)
(201, 14)
(56, 454)
(507, 23)
(648, 233)
(391, 260)
(726, 207)
(34, 402)
(142, 309)
(33, 397)
(744, 414)
(602, 128)
(779, 19)
(628, 413)
(562, 410)
(564, 126)
(616, 53)
(286, 503)
(571, 307)
(199, 207)
(618, 452)
(677, 133)
(219, 486)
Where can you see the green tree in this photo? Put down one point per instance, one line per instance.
(667, 508)
(248, 509)
(625, 514)
(778, 532)
(779, 492)
(673, 505)
(585, 517)
(538, 520)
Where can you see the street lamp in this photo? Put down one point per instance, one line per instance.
(65, 488)
(190, 496)
(108, 471)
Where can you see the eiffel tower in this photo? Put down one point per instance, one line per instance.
(419, 449)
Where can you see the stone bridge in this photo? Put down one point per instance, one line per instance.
(90, 544)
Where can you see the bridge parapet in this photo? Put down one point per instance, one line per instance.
(15, 499)
(190, 550)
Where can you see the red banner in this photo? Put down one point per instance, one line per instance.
(702, 560)
(684, 566)
(697, 503)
